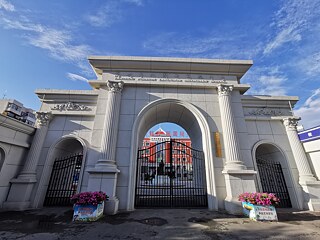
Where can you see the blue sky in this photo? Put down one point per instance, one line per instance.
(45, 44)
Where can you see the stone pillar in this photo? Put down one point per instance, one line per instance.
(21, 187)
(309, 184)
(103, 177)
(238, 178)
(230, 137)
(305, 173)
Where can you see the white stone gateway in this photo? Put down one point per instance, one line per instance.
(107, 124)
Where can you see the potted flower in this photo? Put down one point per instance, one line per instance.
(88, 206)
(259, 206)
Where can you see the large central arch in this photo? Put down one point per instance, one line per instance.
(192, 120)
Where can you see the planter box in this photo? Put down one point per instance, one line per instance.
(87, 213)
(259, 212)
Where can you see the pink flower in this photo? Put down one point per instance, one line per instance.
(89, 198)
(259, 198)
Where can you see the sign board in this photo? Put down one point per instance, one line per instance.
(217, 144)
(310, 134)
(259, 212)
(159, 139)
(87, 213)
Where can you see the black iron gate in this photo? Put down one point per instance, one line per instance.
(170, 174)
(272, 181)
(64, 180)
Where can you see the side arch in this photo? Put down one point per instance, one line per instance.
(272, 153)
(50, 158)
(138, 132)
(2, 156)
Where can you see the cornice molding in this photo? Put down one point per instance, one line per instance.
(16, 125)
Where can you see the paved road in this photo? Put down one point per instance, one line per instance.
(55, 223)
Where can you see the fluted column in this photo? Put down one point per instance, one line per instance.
(30, 166)
(230, 137)
(22, 186)
(305, 173)
(103, 176)
(111, 122)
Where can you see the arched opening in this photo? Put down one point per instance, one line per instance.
(195, 124)
(271, 164)
(64, 171)
(170, 172)
(2, 157)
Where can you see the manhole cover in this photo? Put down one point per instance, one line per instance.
(153, 221)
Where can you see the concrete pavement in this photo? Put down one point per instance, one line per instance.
(55, 223)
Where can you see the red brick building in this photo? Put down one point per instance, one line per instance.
(175, 153)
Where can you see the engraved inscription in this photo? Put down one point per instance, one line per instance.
(167, 77)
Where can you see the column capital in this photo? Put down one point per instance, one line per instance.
(291, 123)
(115, 87)
(43, 118)
(224, 90)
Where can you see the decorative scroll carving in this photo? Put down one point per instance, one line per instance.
(115, 86)
(43, 118)
(291, 123)
(70, 106)
(265, 112)
(224, 89)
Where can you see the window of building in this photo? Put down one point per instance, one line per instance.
(9, 114)
(14, 106)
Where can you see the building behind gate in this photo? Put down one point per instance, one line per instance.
(244, 143)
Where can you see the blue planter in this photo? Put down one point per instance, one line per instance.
(259, 212)
(87, 213)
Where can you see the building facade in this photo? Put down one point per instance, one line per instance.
(14, 109)
(174, 153)
(310, 139)
(235, 139)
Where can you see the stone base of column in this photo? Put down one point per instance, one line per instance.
(19, 194)
(311, 193)
(306, 178)
(235, 165)
(237, 182)
(104, 165)
(103, 177)
(17, 206)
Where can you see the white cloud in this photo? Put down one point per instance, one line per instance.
(266, 81)
(22, 25)
(110, 13)
(210, 46)
(177, 43)
(106, 15)
(59, 43)
(310, 64)
(76, 77)
(136, 2)
(291, 21)
(6, 6)
(310, 110)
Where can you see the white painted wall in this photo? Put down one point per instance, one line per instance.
(273, 132)
(15, 139)
(312, 149)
